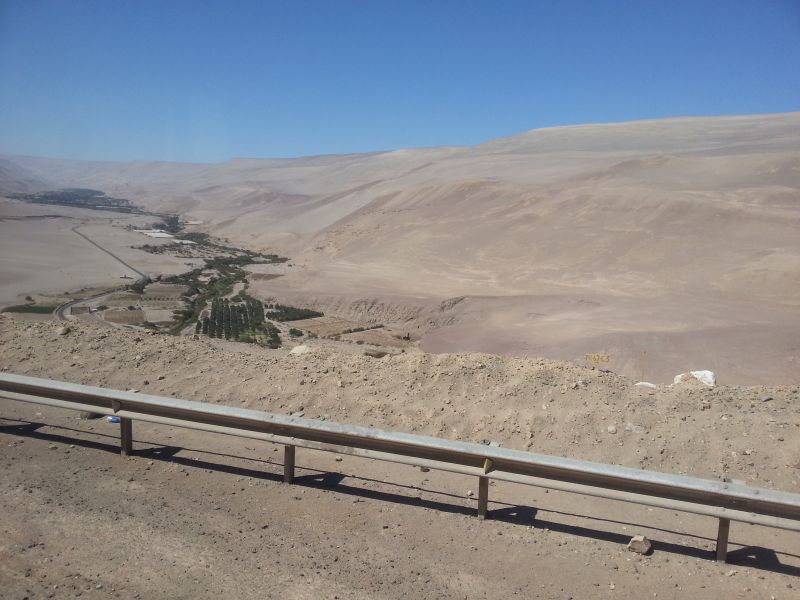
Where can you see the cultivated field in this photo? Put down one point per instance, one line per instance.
(125, 317)
(41, 253)
(324, 326)
(377, 337)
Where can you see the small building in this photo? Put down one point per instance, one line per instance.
(155, 233)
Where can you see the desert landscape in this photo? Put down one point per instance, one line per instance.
(665, 245)
(511, 293)
(399, 300)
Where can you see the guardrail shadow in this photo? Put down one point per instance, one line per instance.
(31, 430)
(757, 557)
(747, 556)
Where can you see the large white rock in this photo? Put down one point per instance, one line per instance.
(646, 384)
(302, 349)
(706, 377)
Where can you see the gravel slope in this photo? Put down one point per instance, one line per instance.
(535, 404)
(192, 515)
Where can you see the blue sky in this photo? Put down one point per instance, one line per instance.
(208, 81)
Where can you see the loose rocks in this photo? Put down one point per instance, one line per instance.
(85, 414)
(640, 544)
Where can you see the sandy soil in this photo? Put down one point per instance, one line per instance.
(198, 516)
(40, 254)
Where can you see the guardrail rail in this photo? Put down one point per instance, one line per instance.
(722, 500)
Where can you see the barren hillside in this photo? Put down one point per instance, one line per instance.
(525, 403)
(17, 180)
(666, 245)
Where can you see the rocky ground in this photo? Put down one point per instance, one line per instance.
(192, 515)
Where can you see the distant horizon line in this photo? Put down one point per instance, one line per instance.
(6, 154)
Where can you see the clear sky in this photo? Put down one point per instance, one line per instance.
(206, 80)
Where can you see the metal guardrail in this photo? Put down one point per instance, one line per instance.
(725, 501)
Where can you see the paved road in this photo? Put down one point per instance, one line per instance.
(60, 312)
(111, 254)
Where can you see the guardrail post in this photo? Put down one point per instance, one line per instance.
(288, 464)
(483, 497)
(125, 436)
(722, 539)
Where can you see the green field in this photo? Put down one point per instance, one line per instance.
(40, 309)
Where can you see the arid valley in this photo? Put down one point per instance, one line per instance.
(510, 293)
(661, 246)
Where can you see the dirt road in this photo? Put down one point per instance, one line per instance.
(187, 518)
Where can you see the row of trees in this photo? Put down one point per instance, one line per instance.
(279, 312)
(231, 320)
(239, 321)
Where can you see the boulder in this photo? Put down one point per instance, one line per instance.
(706, 377)
(301, 349)
(640, 544)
